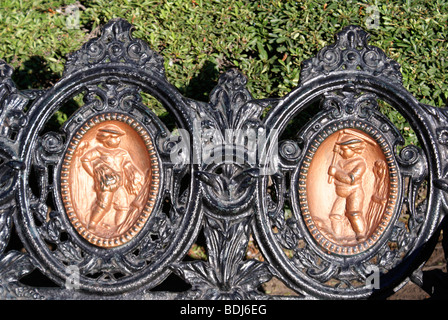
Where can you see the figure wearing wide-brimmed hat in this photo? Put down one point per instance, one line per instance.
(347, 174)
(114, 174)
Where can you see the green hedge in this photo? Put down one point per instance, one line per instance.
(266, 40)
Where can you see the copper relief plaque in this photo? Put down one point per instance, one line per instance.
(110, 179)
(348, 190)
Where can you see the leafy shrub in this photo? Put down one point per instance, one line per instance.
(266, 40)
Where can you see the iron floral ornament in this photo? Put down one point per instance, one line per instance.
(108, 205)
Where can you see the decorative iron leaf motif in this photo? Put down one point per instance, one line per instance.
(226, 275)
(351, 52)
(12, 104)
(224, 124)
(14, 266)
(112, 93)
(115, 45)
(12, 121)
(230, 114)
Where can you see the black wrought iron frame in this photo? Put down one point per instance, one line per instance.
(252, 191)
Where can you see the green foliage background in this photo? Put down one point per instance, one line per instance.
(199, 39)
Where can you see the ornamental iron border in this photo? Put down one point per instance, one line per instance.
(230, 171)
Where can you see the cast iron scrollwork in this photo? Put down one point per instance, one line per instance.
(46, 207)
(349, 84)
(14, 264)
(110, 202)
(115, 45)
(227, 136)
(351, 52)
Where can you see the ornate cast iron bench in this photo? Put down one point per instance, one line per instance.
(108, 205)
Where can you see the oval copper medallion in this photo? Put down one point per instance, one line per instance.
(110, 179)
(348, 190)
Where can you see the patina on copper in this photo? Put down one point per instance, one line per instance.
(109, 179)
(348, 190)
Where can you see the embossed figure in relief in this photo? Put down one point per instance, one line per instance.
(115, 177)
(347, 175)
(348, 189)
(109, 179)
